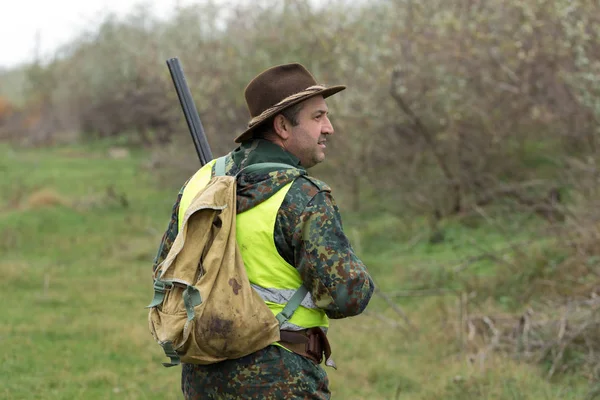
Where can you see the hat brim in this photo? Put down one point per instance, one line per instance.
(248, 133)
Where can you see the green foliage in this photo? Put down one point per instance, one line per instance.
(485, 80)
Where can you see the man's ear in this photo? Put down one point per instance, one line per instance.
(282, 126)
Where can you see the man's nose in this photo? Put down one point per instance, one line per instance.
(327, 127)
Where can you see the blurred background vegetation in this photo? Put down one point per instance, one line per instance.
(466, 147)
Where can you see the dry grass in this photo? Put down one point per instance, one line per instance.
(45, 197)
(558, 325)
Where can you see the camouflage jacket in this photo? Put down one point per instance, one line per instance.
(308, 230)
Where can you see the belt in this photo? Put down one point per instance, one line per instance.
(311, 343)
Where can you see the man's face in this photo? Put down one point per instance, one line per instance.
(307, 139)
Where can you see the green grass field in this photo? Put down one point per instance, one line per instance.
(79, 230)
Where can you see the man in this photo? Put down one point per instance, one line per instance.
(304, 241)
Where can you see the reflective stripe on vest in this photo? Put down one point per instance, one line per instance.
(282, 296)
(270, 275)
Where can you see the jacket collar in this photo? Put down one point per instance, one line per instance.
(262, 150)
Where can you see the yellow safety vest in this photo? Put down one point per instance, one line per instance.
(271, 276)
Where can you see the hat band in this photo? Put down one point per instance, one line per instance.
(283, 103)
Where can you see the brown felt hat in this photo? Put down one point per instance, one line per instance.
(278, 88)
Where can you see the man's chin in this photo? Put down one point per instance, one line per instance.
(320, 159)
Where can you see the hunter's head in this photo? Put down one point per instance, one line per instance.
(288, 107)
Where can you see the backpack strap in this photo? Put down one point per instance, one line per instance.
(171, 353)
(299, 295)
(292, 305)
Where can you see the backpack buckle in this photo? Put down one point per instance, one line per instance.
(162, 286)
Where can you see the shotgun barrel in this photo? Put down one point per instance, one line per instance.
(189, 111)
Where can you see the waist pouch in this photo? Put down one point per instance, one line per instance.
(311, 343)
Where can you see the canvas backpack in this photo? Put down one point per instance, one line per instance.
(204, 309)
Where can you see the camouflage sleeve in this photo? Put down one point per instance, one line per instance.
(169, 235)
(338, 280)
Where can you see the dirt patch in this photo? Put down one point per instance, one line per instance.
(118, 153)
(45, 198)
(220, 327)
(235, 286)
